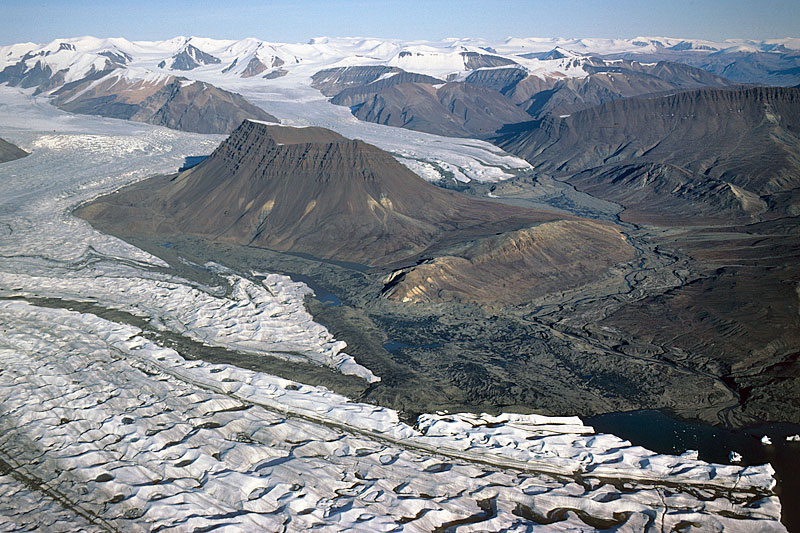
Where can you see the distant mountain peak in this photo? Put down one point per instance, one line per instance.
(561, 53)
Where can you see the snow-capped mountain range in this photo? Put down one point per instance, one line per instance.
(157, 81)
(215, 60)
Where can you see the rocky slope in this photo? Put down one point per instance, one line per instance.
(190, 58)
(712, 151)
(355, 96)
(603, 81)
(353, 85)
(102, 82)
(394, 97)
(10, 152)
(453, 109)
(664, 193)
(608, 81)
(516, 267)
(714, 176)
(771, 64)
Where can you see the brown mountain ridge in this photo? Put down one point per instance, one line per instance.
(708, 153)
(312, 191)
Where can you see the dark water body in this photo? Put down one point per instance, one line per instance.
(660, 433)
(393, 346)
(320, 293)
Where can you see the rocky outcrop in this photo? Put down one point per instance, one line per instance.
(413, 106)
(476, 60)
(189, 58)
(391, 96)
(502, 80)
(661, 193)
(10, 152)
(773, 65)
(42, 76)
(454, 109)
(254, 68)
(353, 96)
(575, 94)
(199, 107)
(117, 57)
(606, 81)
(332, 81)
(515, 267)
(275, 74)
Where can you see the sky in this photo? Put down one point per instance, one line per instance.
(301, 20)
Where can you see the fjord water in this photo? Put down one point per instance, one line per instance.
(659, 432)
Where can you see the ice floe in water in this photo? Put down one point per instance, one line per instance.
(103, 429)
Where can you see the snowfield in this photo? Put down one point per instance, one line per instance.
(102, 429)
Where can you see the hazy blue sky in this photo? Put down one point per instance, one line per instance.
(299, 20)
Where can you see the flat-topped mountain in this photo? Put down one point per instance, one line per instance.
(312, 191)
(10, 152)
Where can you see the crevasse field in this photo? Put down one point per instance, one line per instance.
(103, 429)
